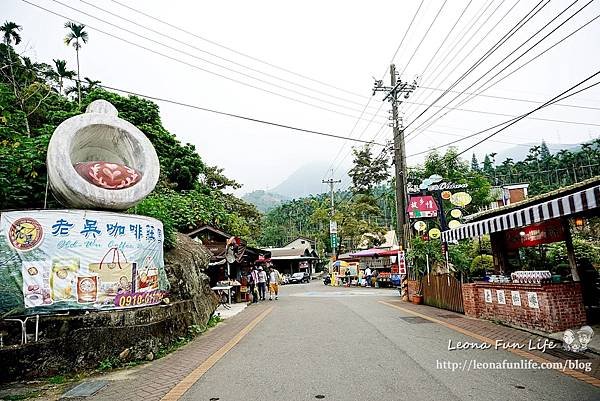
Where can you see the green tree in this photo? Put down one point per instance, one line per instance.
(76, 36)
(368, 171)
(61, 73)
(475, 163)
(488, 167)
(10, 34)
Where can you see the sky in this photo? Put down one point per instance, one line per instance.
(322, 59)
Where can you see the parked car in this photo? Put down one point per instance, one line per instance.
(300, 277)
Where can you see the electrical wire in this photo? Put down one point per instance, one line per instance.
(512, 72)
(192, 65)
(345, 99)
(235, 51)
(331, 166)
(514, 120)
(561, 96)
(486, 55)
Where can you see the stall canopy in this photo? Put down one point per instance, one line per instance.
(375, 252)
(533, 211)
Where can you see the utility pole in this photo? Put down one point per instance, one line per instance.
(332, 223)
(397, 88)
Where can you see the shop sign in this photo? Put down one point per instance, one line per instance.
(442, 186)
(303, 264)
(77, 259)
(435, 233)
(541, 233)
(334, 241)
(422, 206)
(401, 262)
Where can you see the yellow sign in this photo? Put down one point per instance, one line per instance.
(461, 199)
(420, 226)
(453, 224)
(456, 213)
(435, 233)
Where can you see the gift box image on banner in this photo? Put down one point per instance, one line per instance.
(78, 259)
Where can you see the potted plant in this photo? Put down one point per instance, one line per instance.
(417, 298)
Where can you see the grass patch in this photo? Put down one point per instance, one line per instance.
(58, 379)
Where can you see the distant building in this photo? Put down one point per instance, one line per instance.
(507, 195)
(297, 256)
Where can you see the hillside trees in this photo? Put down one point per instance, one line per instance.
(190, 193)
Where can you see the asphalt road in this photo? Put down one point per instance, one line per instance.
(341, 344)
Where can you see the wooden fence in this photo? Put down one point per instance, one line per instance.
(443, 291)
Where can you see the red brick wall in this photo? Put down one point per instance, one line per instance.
(413, 286)
(560, 305)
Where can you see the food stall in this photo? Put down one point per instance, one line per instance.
(534, 299)
(383, 261)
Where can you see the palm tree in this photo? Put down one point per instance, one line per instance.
(10, 34)
(76, 35)
(62, 73)
(91, 85)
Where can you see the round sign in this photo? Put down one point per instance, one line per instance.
(25, 234)
(446, 195)
(434, 233)
(460, 199)
(456, 213)
(420, 226)
(453, 224)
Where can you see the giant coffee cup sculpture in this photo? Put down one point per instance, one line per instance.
(97, 160)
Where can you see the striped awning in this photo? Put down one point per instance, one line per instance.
(563, 206)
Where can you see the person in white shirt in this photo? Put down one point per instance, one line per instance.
(273, 283)
(262, 283)
(368, 276)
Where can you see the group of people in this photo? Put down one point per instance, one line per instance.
(258, 280)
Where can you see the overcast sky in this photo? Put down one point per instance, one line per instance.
(340, 43)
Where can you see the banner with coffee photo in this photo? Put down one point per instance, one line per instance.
(76, 259)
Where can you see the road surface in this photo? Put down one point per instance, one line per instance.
(343, 344)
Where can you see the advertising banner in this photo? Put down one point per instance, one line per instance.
(80, 259)
(401, 263)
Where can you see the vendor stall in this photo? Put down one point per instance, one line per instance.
(546, 298)
(383, 265)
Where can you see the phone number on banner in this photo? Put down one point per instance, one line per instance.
(129, 299)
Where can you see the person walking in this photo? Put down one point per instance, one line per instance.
(262, 283)
(368, 276)
(273, 283)
(253, 281)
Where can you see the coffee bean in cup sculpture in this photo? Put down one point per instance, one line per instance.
(97, 160)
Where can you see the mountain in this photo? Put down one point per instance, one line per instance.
(264, 200)
(307, 180)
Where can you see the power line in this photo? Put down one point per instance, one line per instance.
(507, 98)
(515, 70)
(511, 121)
(447, 65)
(256, 120)
(424, 36)
(200, 58)
(511, 53)
(345, 99)
(191, 65)
(235, 51)
(538, 108)
(492, 113)
(331, 166)
(486, 55)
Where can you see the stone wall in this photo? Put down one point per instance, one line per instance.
(560, 305)
(81, 341)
